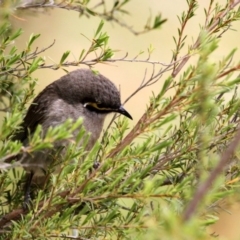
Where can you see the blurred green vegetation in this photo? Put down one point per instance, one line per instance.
(165, 176)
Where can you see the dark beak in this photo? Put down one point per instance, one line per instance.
(122, 111)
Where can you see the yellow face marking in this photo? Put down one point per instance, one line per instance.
(93, 104)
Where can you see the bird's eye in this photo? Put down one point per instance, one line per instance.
(97, 107)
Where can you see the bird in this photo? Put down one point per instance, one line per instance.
(80, 93)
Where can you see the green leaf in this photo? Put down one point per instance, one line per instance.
(161, 145)
(158, 21)
(107, 54)
(90, 12)
(167, 119)
(16, 34)
(81, 54)
(12, 60)
(100, 26)
(166, 84)
(32, 39)
(35, 64)
(64, 56)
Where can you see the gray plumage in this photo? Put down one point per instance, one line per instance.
(80, 93)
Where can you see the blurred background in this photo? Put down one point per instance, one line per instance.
(73, 33)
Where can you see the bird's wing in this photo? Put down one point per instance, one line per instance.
(35, 116)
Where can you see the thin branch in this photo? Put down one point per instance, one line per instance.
(233, 69)
(83, 10)
(27, 57)
(205, 186)
(64, 236)
(210, 29)
(190, 12)
(88, 63)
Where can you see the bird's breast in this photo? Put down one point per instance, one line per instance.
(59, 111)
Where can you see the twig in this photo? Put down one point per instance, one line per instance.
(214, 24)
(192, 5)
(205, 186)
(107, 15)
(27, 57)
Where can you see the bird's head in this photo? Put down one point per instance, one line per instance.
(94, 91)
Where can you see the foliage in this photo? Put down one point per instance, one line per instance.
(162, 178)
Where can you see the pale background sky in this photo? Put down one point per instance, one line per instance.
(67, 28)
